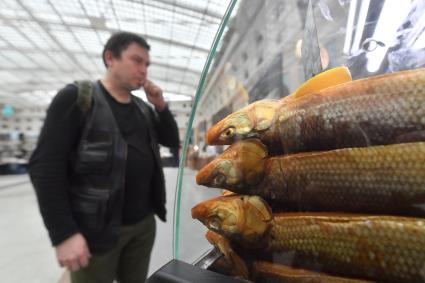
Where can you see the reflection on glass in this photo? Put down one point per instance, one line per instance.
(344, 152)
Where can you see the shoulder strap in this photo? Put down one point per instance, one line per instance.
(85, 95)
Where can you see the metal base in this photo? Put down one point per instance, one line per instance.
(177, 271)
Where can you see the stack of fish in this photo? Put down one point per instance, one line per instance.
(343, 168)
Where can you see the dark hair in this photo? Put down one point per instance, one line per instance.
(120, 41)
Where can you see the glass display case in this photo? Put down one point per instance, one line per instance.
(329, 174)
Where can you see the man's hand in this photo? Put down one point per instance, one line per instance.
(73, 253)
(154, 95)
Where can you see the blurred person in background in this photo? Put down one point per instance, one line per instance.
(97, 171)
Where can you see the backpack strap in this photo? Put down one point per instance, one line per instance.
(85, 95)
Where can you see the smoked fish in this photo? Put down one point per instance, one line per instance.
(380, 110)
(264, 271)
(382, 248)
(386, 179)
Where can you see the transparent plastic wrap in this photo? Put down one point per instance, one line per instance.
(322, 180)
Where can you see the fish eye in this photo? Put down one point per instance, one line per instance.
(214, 223)
(229, 132)
(219, 179)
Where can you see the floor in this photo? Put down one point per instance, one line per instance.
(26, 254)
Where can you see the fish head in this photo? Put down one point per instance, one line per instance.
(247, 122)
(238, 168)
(238, 265)
(234, 127)
(238, 217)
(219, 173)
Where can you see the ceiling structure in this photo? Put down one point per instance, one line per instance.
(45, 44)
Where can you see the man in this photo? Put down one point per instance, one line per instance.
(96, 169)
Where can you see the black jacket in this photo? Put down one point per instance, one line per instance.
(93, 197)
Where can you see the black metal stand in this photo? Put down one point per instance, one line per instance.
(177, 271)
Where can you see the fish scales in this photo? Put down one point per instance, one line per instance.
(370, 179)
(391, 248)
(377, 111)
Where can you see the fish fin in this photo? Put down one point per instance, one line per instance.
(360, 134)
(416, 136)
(263, 124)
(264, 114)
(323, 80)
(253, 145)
(261, 208)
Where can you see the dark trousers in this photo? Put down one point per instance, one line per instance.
(128, 262)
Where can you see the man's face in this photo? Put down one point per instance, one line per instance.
(131, 69)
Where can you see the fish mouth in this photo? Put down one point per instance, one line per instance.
(200, 211)
(204, 175)
(214, 134)
(206, 212)
(214, 174)
(204, 209)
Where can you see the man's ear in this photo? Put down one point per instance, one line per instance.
(108, 56)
